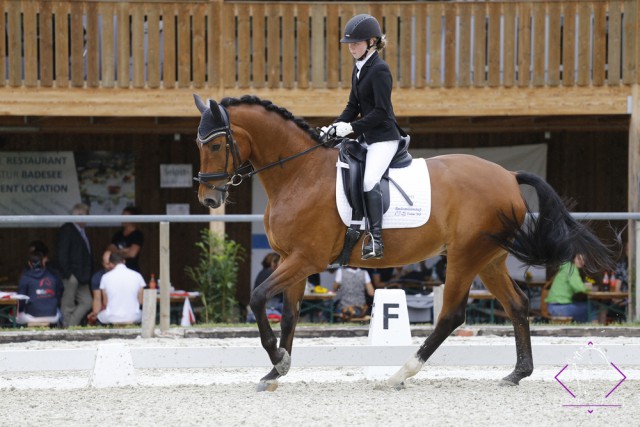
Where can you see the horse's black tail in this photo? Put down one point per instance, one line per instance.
(554, 236)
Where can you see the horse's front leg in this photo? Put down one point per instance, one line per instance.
(290, 273)
(290, 314)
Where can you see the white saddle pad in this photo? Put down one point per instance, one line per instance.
(414, 180)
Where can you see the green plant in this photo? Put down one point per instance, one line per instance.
(216, 274)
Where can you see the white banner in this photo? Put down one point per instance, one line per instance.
(38, 183)
(531, 158)
(176, 176)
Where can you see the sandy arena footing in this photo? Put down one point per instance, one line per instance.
(438, 395)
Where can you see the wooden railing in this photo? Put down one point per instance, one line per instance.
(465, 58)
(288, 45)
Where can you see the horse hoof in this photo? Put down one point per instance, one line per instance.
(271, 385)
(284, 364)
(507, 383)
(395, 381)
(409, 369)
(400, 386)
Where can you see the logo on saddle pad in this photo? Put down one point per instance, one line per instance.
(414, 181)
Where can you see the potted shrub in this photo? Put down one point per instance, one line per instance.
(216, 274)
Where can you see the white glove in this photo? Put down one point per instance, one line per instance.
(343, 129)
(324, 130)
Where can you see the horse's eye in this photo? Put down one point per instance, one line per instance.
(215, 147)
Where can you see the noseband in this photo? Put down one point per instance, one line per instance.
(231, 150)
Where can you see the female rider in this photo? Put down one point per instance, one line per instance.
(369, 113)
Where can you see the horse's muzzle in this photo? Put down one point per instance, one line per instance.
(213, 204)
(211, 198)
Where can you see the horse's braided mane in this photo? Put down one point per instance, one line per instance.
(270, 106)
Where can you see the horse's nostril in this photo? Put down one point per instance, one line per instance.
(211, 203)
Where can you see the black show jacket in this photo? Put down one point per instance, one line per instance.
(370, 98)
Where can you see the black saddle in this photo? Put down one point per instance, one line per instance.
(354, 154)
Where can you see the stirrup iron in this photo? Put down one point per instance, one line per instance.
(372, 254)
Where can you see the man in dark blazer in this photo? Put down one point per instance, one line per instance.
(74, 261)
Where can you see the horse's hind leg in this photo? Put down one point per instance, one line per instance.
(452, 315)
(496, 278)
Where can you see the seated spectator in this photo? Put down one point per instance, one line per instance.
(269, 264)
(441, 268)
(39, 246)
(567, 296)
(351, 287)
(97, 305)
(274, 305)
(314, 279)
(380, 276)
(44, 290)
(622, 269)
(417, 272)
(121, 293)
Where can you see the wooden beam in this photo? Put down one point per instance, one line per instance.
(414, 125)
(407, 102)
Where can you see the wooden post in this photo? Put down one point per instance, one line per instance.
(165, 277)
(149, 302)
(634, 202)
(217, 226)
(438, 296)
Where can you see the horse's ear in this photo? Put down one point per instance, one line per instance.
(215, 111)
(199, 103)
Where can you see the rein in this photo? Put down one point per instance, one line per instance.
(281, 161)
(231, 146)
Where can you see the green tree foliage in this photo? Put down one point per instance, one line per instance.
(216, 275)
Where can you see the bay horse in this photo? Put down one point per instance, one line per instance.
(477, 219)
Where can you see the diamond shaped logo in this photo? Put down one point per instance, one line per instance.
(585, 358)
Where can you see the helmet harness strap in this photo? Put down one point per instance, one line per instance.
(366, 51)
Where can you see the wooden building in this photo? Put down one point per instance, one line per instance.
(108, 75)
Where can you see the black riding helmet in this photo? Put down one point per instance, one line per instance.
(361, 27)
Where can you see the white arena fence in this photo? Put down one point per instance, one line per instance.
(114, 364)
(165, 220)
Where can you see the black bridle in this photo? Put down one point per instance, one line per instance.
(231, 150)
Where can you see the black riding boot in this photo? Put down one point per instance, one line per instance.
(373, 247)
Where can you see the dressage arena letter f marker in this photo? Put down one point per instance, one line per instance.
(386, 315)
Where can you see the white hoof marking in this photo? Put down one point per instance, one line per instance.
(409, 369)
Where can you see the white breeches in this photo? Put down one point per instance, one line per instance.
(379, 156)
(25, 318)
